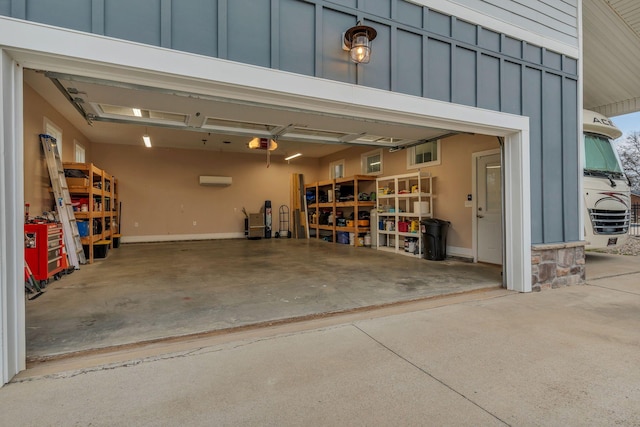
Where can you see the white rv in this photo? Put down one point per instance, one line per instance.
(607, 193)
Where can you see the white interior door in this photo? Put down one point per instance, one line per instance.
(489, 208)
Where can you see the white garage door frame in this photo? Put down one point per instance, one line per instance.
(38, 46)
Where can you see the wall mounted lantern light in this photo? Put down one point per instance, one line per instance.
(357, 40)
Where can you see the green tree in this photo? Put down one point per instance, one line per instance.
(629, 152)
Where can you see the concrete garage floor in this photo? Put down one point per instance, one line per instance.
(146, 292)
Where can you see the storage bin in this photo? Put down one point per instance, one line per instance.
(343, 237)
(83, 228)
(77, 182)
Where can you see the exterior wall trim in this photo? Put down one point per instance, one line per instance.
(12, 298)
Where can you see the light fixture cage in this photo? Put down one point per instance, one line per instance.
(358, 41)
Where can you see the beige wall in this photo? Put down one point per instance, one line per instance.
(452, 181)
(36, 175)
(159, 188)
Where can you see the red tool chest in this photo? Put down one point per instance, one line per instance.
(44, 250)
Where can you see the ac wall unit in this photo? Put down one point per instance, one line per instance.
(215, 180)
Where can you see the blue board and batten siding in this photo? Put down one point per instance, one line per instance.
(418, 51)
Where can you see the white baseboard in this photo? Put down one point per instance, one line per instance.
(460, 252)
(180, 237)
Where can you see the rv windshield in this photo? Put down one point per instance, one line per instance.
(600, 156)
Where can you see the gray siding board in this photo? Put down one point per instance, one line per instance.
(5, 7)
(249, 32)
(377, 7)
(76, 14)
(297, 54)
(165, 23)
(488, 39)
(348, 3)
(512, 47)
(194, 26)
(552, 60)
(439, 23)
(335, 62)
(511, 88)
(410, 69)
(409, 14)
(569, 65)
(223, 35)
(19, 9)
(532, 107)
(138, 21)
(465, 32)
(439, 70)
(97, 17)
(489, 83)
(571, 141)
(532, 53)
(553, 185)
(465, 80)
(377, 73)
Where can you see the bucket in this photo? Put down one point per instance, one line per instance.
(367, 240)
(352, 238)
(412, 246)
(83, 228)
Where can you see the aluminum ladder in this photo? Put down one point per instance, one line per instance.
(72, 241)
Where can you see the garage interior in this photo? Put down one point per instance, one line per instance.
(184, 266)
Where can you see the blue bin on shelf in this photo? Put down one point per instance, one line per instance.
(83, 228)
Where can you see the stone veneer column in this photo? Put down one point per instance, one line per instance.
(557, 265)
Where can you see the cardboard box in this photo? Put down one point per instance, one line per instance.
(77, 182)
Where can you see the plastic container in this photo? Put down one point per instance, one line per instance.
(83, 228)
(434, 235)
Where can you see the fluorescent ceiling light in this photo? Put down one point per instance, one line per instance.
(137, 112)
(293, 156)
(374, 163)
(147, 140)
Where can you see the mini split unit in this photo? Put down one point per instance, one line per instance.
(215, 180)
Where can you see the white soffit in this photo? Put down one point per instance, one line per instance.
(611, 56)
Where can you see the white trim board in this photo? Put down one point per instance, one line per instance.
(460, 252)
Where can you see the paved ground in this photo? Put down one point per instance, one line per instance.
(566, 356)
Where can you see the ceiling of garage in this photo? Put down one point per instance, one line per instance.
(104, 112)
(611, 34)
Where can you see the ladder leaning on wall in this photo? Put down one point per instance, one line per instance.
(63, 202)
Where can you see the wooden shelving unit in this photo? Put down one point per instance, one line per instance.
(95, 201)
(403, 201)
(335, 213)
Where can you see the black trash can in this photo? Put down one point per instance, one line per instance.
(434, 238)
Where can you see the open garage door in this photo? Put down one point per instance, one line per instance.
(284, 100)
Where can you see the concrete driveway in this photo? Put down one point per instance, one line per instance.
(566, 356)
